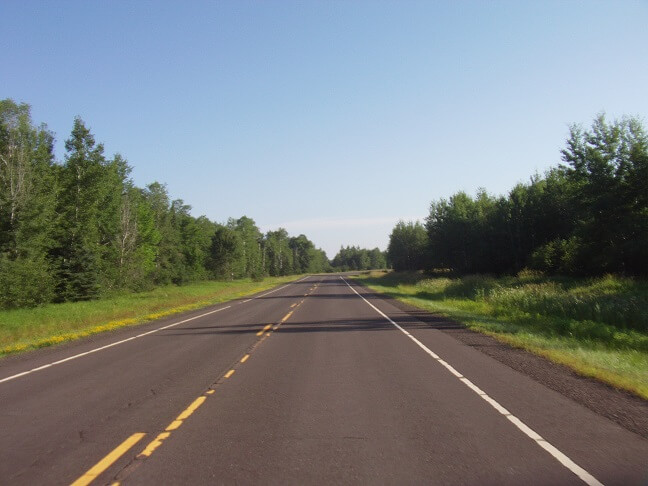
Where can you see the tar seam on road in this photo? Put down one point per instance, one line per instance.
(265, 328)
(529, 432)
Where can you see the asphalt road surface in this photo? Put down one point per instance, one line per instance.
(316, 382)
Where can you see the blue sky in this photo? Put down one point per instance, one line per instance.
(332, 119)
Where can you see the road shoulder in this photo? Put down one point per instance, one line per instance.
(623, 408)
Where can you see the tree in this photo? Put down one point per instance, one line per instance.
(607, 169)
(301, 248)
(137, 241)
(79, 229)
(318, 261)
(250, 262)
(278, 255)
(377, 259)
(407, 246)
(27, 219)
(356, 258)
(168, 257)
(78, 253)
(225, 252)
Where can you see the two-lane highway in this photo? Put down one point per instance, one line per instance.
(63, 409)
(319, 381)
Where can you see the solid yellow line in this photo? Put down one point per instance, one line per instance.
(229, 373)
(107, 461)
(286, 317)
(154, 444)
(191, 408)
(245, 358)
(174, 425)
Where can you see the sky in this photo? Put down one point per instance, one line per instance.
(330, 118)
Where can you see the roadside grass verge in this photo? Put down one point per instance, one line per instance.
(24, 329)
(598, 327)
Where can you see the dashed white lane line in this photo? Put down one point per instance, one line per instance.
(528, 431)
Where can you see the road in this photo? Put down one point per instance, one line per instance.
(319, 381)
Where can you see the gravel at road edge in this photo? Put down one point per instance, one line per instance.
(623, 408)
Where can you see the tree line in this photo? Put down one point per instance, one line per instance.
(352, 258)
(586, 216)
(80, 228)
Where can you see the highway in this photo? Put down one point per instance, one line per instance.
(319, 381)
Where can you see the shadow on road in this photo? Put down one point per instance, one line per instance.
(330, 325)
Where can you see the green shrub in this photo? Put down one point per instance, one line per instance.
(24, 283)
(475, 287)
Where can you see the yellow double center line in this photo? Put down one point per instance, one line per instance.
(125, 446)
(266, 328)
(108, 461)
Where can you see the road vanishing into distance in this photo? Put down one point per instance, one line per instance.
(316, 382)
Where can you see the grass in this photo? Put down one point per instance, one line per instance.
(24, 329)
(598, 327)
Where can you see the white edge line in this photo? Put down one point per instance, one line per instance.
(271, 292)
(70, 358)
(528, 431)
(280, 288)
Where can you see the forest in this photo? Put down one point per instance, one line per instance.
(80, 229)
(588, 216)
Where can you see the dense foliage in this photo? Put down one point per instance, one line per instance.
(239, 249)
(407, 246)
(80, 229)
(355, 258)
(588, 216)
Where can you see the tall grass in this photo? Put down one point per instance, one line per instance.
(597, 326)
(23, 329)
(619, 302)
